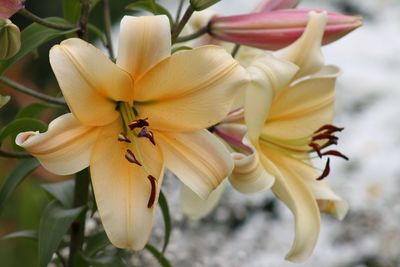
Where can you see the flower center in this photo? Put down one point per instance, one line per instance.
(134, 128)
(300, 149)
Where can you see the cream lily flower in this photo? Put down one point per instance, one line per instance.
(132, 118)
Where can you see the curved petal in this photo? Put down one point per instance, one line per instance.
(306, 51)
(123, 189)
(191, 90)
(303, 107)
(143, 42)
(66, 146)
(195, 207)
(89, 81)
(268, 75)
(291, 189)
(198, 159)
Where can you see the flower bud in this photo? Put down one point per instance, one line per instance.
(202, 4)
(10, 7)
(10, 39)
(272, 5)
(277, 29)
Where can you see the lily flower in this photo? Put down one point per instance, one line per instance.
(131, 119)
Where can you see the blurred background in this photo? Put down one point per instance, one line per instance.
(257, 231)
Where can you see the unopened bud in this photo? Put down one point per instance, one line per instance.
(10, 7)
(202, 4)
(272, 5)
(10, 39)
(277, 29)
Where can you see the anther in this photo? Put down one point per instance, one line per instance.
(123, 138)
(334, 153)
(317, 148)
(152, 197)
(325, 172)
(131, 157)
(329, 128)
(138, 123)
(148, 134)
(323, 136)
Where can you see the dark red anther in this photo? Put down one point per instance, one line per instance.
(317, 148)
(334, 153)
(325, 172)
(148, 134)
(123, 138)
(323, 136)
(138, 123)
(131, 157)
(329, 128)
(152, 197)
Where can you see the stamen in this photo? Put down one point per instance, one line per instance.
(148, 134)
(131, 157)
(335, 153)
(152, 197)
(138, 123)
(330, 128)
(325, 172)
(317, 148)
(123, 138)
(323, 136)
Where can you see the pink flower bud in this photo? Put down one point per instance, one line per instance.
(277, 29)
(10, 7)
(272, 5)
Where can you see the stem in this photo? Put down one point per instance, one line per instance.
(27, 14)
(107, 23)
(12, 154)
(179, 11)
(23, 89)
(192, 36)
(179, 27)
(84, 19)
(235, 50)
(62, 260)
(81, 195)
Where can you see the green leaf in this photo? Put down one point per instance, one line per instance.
(162, 201)
(4, 100)
(180, 48)
(96, 242)
(21, 125)
(29, 234)
(62, 191)
(36, 110)
(54, 223)
(158, 255)
(150, 6)
(102, 261)
(32, 37)
(71, 10)
(23, 169)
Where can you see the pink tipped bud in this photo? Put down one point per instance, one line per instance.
(277, 29)
(10, 7)
(272, 5)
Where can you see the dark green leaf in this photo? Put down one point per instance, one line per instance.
(35, 110)
(32, 37)
(162, 201)
(71, 10)
(180, 48)
(150, 6)
(158, 255)
(4, 100)
(62, 191)
(54, 224)
(23, 169)
(96, 243)
(102, 261)
(29, 234)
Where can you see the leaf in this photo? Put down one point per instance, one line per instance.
(158, 255)
(180, 48)
(55, 222)
(96, 242)
(4, 100)
(162, 201)
(62, 191)
(32, 37)
(150, 6)
(71, 10)
(23, 169)
(36, 110)
(102, 261)
(29, 234)
(21, 125)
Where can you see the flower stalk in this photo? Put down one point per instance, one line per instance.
(29, 15)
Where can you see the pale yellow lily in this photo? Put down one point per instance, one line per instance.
(132, 118)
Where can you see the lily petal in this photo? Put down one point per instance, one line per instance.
(303, 107)
(306, 51)
(199, 159)
(143, 42)
(66, 146)
(195, 207)
(177, 95)
(89, 80)
(123, 189)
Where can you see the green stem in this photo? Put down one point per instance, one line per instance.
(23, 89)
(84, 19)
(192, 36)
(107, 24)
(179, 11)
(29, 15)
(81, 195)
(235, 50)
(12, 154)
(179, 27)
